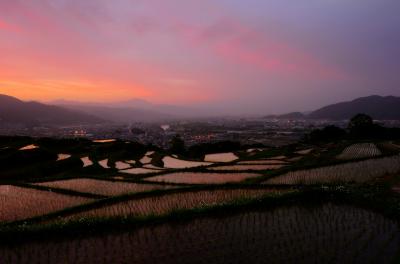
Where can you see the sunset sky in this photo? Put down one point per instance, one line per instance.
(252, 55)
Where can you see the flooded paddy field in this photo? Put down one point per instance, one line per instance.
(174, 163)
(61, 156)
(104, 164)
(324, 233)
(29, 147)
(221, 157)
(86, 162)
(120, 165)
(304, 151)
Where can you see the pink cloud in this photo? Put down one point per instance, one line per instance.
(276, 58)
(9, 27)
(236, 43)
(132, 50)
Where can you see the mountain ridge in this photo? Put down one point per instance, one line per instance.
(16, 111)
(378, 107)
(122, 114)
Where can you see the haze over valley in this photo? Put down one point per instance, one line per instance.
(70, 112)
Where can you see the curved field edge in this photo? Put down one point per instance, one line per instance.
(267, 175)
(61, 191)
(375, 198)
(132, 197)
(307, 162)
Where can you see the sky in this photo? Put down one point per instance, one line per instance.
(239, 56)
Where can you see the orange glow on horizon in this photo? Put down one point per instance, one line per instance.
(88, 91)
(77, 90)
(250, 57)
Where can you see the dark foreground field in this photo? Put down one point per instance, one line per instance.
(288, 234)
(79, 201)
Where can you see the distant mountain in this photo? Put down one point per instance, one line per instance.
(136, 110)
(171, 110)
(378, 107)
(15, 111)
(288, 116)
(121, 114)
(132, 103)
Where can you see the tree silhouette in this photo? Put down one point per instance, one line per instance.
(177, 145)
(360, 121)
(327, 134)
(199, 150)
(362, 126)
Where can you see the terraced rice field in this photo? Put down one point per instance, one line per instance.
(295, 159)
(390, 146)
(278, 158)
(253, 167)
(120, 165)
(151, 166)
(304, 151)
(29, 147)
(136, 171)
(361, 171)
(174, 163)
(202, 178)
(104, 164)
(145, 160)
(221, 157)
(100, 187)
(63, 157)
(147, 157)
(86, 162)
(19, 203)
(319, 234)
(360, 151)
(263, 162)
(104, 140)
(254, 150)
(160, 205)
